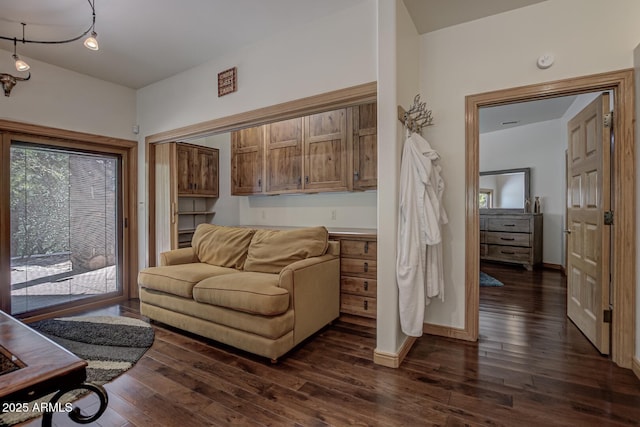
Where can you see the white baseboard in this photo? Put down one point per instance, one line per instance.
(393, 360)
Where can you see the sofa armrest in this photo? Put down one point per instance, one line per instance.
(314, 289)
(178, 256)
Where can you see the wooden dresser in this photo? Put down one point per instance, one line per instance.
(511, 237)
(358, 273)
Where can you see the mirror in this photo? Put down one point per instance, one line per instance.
(505, 189)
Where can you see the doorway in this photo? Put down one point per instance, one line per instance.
(623, 267)
(65, 242)
(68, 220)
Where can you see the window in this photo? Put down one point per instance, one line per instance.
(486, 198)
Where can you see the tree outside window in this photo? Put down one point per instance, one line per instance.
(486, 198)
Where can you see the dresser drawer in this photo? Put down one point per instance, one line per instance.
(359, 286)
(359, 267)
(508, 239)
(484, 250)
(359, 249)
(483, 223)
(516, 225)
(358, 305)
(509, 253)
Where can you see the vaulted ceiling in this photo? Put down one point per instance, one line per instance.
(431, 15)
(144, 41)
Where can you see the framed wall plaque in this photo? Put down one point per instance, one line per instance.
(227, 81)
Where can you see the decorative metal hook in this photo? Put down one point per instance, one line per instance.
(417, 116)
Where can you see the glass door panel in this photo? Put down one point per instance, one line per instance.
(64, 235)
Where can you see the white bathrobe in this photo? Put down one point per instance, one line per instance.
(419, 261)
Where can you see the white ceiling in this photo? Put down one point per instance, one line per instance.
(144, 41)
(431, 15)
(523, 113)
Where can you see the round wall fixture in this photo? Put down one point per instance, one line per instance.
(545, 61)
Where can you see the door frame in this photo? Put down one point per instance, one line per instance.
(350, 96)
(126, 149)
(623, 270)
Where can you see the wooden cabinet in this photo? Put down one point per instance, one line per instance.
(247, 150)
(283, 156)
(358, 274)
(365, 147)
(511, 237)
(186, 188)
(325, 149)
(197, 170)
(329, 151)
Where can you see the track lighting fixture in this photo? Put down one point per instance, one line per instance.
(91, 42)
(20, 64)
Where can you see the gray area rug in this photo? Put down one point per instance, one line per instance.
(489, 281)
(110, 345)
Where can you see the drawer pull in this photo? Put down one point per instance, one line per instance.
(366, 247)
(508, 252)
(509, 225)
(366, 267)
(509, 239)
(366, 286)
(366, 305)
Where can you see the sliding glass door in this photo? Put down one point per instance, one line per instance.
(65, 207)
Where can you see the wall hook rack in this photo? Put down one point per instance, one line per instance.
(417, 116)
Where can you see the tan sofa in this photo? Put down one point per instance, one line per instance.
(263, 291)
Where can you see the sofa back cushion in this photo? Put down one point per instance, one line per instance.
(222, 246)
(272, 250)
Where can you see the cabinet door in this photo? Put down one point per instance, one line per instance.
(325, 158)
(365, 147)
(184, 161)
(205, 171)
(283, 151)
(246, 161)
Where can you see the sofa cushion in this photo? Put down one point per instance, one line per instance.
(256, 293)
(222, 246)
(272, 250)
(180, 279)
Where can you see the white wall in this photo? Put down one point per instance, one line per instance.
(64, 99)
(539, 146)
(500, 52)
(397, 85)
(330, 53)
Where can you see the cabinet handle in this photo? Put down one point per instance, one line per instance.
(366, 247)
(299, 180)
(260, 182)
(306, 179)
(173, 213)
(366, 267)
(366, 285)
(366, 305)
(507, 252)
(509, 225)
(356, 175)
(507, 238)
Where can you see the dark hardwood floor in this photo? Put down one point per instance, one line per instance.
(531, 366)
